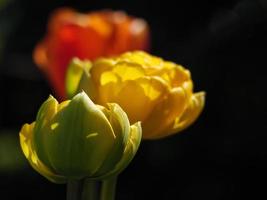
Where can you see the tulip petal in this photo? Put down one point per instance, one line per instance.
(47, 110)
(128, 79)
(108, 92)
(164, 113)
(129, 151)
(121, 126)
(138, 98)
(128, 71)
(43, 126)
(174, 74)
(26, 135)
(100, 66)
(40, 57)
(145, 60)
(192, 112)
(119, 121)
(189, 116)
(74, 73)
(108, 76)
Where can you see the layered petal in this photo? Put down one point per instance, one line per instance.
(43, 127)
(25, 135)
(133, 95)
(164, 113)
(130, 150)
(191, 113)
(121, 126)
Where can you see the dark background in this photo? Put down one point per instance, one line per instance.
(222, 156)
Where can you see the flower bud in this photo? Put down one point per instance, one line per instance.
(77, 139)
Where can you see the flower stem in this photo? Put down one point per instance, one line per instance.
(74, 189)
(108, 189)
(90, 190)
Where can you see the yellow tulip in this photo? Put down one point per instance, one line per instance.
(77, 139)
(156, 92)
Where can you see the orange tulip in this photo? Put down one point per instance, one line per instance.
(86, 36)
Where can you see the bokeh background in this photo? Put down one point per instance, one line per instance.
(222, 156)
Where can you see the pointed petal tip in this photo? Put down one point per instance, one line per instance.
(136, 129)
(200, 97)
(80, 95)
(52, 98)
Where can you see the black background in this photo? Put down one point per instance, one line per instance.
(223, 43)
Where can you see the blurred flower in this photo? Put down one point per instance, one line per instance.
(156, 92)
(77, 139)
(86, 36)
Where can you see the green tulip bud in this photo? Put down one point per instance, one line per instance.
(78, 139)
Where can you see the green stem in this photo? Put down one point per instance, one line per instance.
(90, 190)
(74, 190)
(108, 189)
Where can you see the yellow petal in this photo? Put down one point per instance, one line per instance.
(26, 138)
(142, 58)
(188, 87)
(128, 70)
(164, 113)
(189, 116)
(26, 135)
(111, 80)
(133, 100)
(108, 89)
(177, 74)
(99, 67)
(137, 98)
(154, 87)
(172, 73)
(108, 77)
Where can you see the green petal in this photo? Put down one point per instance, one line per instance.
(42, 128)
(121, 127)
(129, 151)
(119, 121)
(76, 71)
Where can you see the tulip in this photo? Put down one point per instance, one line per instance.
(156, 92)
(77, 139)
(86, 36)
